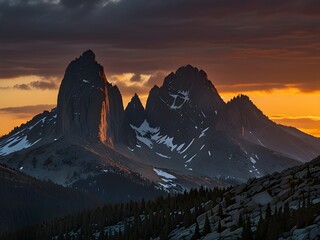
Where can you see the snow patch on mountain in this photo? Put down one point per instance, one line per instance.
(187, 146)
(190, 159)
(145, 129)
(162, 155)
(253, 159)
(203, 132)
(164, 174)
(42, 121)
(16, 144)
(166, 140)
(167, 179)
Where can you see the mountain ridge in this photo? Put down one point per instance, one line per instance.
(186, 129)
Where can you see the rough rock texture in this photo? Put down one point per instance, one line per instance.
(181, 102)
(82, 101)
(115, 116)
(88, 106)
(252, 198)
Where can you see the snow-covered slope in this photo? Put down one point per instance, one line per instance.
(38, 130)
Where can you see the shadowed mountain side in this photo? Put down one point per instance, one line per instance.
(26, 200)
(241, 118)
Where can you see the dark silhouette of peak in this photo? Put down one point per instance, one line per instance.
(88, 56)
(189, 70)
(88, 106)
(135, 113)
(187, 76)
(241, 114)
(135, 102)
(241, 100)
(135, 97)
(243, 104)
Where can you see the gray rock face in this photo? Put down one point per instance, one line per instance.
(115, 116)
(82, 100)
(185, 99)
(89, 107)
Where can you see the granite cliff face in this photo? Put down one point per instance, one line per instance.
(89, 107)
(115, 116)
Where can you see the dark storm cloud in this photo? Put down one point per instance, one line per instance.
(44, 85)
(156, 79)
(22, 86)
(136, 78)
(41, 85)
(234, 41)
(26, 111)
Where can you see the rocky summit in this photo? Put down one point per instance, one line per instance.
(82, 100)
(88, 106)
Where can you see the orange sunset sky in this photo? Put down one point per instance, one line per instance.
(268, 50)
(288, 106)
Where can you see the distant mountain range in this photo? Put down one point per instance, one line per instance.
(185, 137)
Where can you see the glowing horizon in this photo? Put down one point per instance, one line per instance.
(288, 106)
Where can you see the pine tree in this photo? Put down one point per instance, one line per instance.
(219, 230)
(240, 222)
(102, 234)
(207, 227)
(268, 212)
(187, 218)
(220, 212)
(308, 175)
(196, 233)
(247, 232)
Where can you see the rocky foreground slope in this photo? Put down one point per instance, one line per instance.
(283, 206)
(297, 189)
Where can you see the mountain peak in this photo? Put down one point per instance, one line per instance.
(241, 113)
(186, 76)
(82, 100)
(88, 55)
(241, 98)
(243, 102)
(135, 96)
(135, 101)
(135, 113)
(189, 69)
